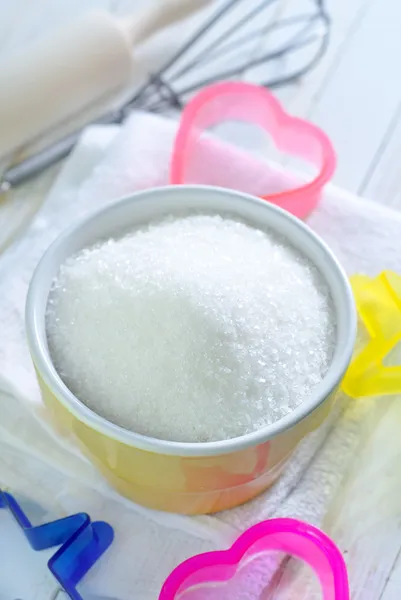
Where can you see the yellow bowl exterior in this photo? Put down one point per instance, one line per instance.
(184, 484)
(187, 478)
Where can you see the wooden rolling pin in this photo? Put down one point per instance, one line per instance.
(74, 67)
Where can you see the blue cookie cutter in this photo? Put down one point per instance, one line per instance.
(82, 542)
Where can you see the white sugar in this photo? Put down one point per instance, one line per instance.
(197, 328)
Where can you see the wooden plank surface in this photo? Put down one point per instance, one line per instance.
(357, 104)
(354, 93)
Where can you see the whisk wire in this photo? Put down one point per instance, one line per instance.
(204, 54)
(298, 39)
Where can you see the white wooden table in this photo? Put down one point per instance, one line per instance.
(354, 95)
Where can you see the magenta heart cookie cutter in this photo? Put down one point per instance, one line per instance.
(289, 536)
(254, 104)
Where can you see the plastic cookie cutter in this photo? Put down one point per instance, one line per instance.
(199, 576)
(253, 104)
(81, 542)
(378, 301)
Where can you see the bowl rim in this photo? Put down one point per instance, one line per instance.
(46, 370)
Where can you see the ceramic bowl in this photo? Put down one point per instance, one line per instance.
(187, 478)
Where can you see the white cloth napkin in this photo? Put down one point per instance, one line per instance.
(107, 164)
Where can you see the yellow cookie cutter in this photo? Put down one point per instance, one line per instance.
(378, 301)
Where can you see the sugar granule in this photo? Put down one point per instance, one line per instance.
(195, 328)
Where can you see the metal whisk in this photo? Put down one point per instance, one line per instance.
(244, 46)
(266, 41)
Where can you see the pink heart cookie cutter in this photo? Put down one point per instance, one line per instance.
(291, 536)
(241, 101)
